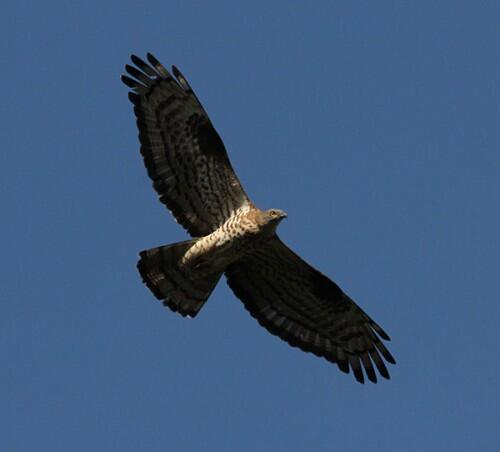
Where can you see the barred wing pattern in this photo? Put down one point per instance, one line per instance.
(183, 154)
(299, 304)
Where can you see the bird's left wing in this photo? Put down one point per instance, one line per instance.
(302, 306)
(183, 153)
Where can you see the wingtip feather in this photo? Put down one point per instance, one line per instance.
(130, 82)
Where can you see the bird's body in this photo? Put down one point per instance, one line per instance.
(188, 164)
(238, 236)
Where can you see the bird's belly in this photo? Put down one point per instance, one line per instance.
(215, 252)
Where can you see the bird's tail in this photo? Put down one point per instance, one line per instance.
(181, 291)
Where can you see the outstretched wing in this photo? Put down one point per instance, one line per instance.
(183, 153)
(299, 304)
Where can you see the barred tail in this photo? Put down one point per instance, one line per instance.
(183, 293)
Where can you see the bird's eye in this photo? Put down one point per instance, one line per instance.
(273, 213)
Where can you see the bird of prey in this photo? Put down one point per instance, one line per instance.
(188, 164)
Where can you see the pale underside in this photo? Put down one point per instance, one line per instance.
(235, 238)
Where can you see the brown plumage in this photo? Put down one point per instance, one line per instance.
(191, 172)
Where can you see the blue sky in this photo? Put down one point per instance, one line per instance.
(375, 125)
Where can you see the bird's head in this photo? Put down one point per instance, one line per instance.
(274, 216)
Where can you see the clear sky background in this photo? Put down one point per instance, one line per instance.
(375, 125)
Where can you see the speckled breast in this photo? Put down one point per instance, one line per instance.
(214, 252)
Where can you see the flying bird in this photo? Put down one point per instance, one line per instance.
(191, 172)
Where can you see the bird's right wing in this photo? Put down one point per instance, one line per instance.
(184, 155)
(302, 306)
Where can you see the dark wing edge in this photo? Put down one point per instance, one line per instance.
(183, 153)
(299, 304)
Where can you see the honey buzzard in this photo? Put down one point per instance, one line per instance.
(188, 164)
